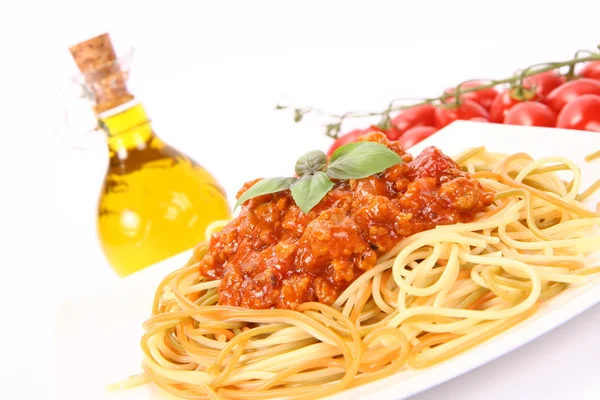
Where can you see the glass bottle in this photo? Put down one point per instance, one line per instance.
(155, 201)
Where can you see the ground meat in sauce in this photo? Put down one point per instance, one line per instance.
(273, 255)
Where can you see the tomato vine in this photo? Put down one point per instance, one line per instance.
(333, 128)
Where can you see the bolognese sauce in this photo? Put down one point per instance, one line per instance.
(272, 255)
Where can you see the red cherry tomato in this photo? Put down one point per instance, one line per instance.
(484, 97)
(506, 100)
(582, 113)
(417, 116)
(591, 70)
(530, 113)
(466, 111)
(350, 137)
(544, 82)
(415, 135)
(563, 94)
(393, 133)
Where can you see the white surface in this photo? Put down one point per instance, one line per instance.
(233, 60)
(115, 316)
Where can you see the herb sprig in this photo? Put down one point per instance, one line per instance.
(350, 161)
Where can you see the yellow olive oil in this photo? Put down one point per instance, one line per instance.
(155, 201)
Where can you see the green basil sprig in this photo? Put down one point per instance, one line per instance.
(350, 161)
(309, 190)
(311, 162)
(265, 186)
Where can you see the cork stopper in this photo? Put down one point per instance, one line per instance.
(104, 78)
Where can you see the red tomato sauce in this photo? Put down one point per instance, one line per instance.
(274, 256)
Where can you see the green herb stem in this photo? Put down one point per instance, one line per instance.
(350, 161)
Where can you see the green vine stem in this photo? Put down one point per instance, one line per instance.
(333, 129)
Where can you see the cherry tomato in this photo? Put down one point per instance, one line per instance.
(563, 94)
(544, 82)
(417, 116)
(466, 111)
(591, 70)
(350, 137)
(530, 113)
(582, 113)
(393, 133)
(415, 135)
(506, 100)
(484, 97)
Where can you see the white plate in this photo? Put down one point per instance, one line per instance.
(97, 339)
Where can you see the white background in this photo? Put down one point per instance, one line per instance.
(210, 74)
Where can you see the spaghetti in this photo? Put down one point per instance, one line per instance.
(435, 294)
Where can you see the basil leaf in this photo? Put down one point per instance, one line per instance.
(361, 159)
(265, 186)
(312, 161)
(310, 190)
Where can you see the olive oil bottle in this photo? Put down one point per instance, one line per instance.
(155, 201)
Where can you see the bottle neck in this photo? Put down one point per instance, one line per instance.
(126, 129)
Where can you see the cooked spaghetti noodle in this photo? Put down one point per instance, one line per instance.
(435, 294)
